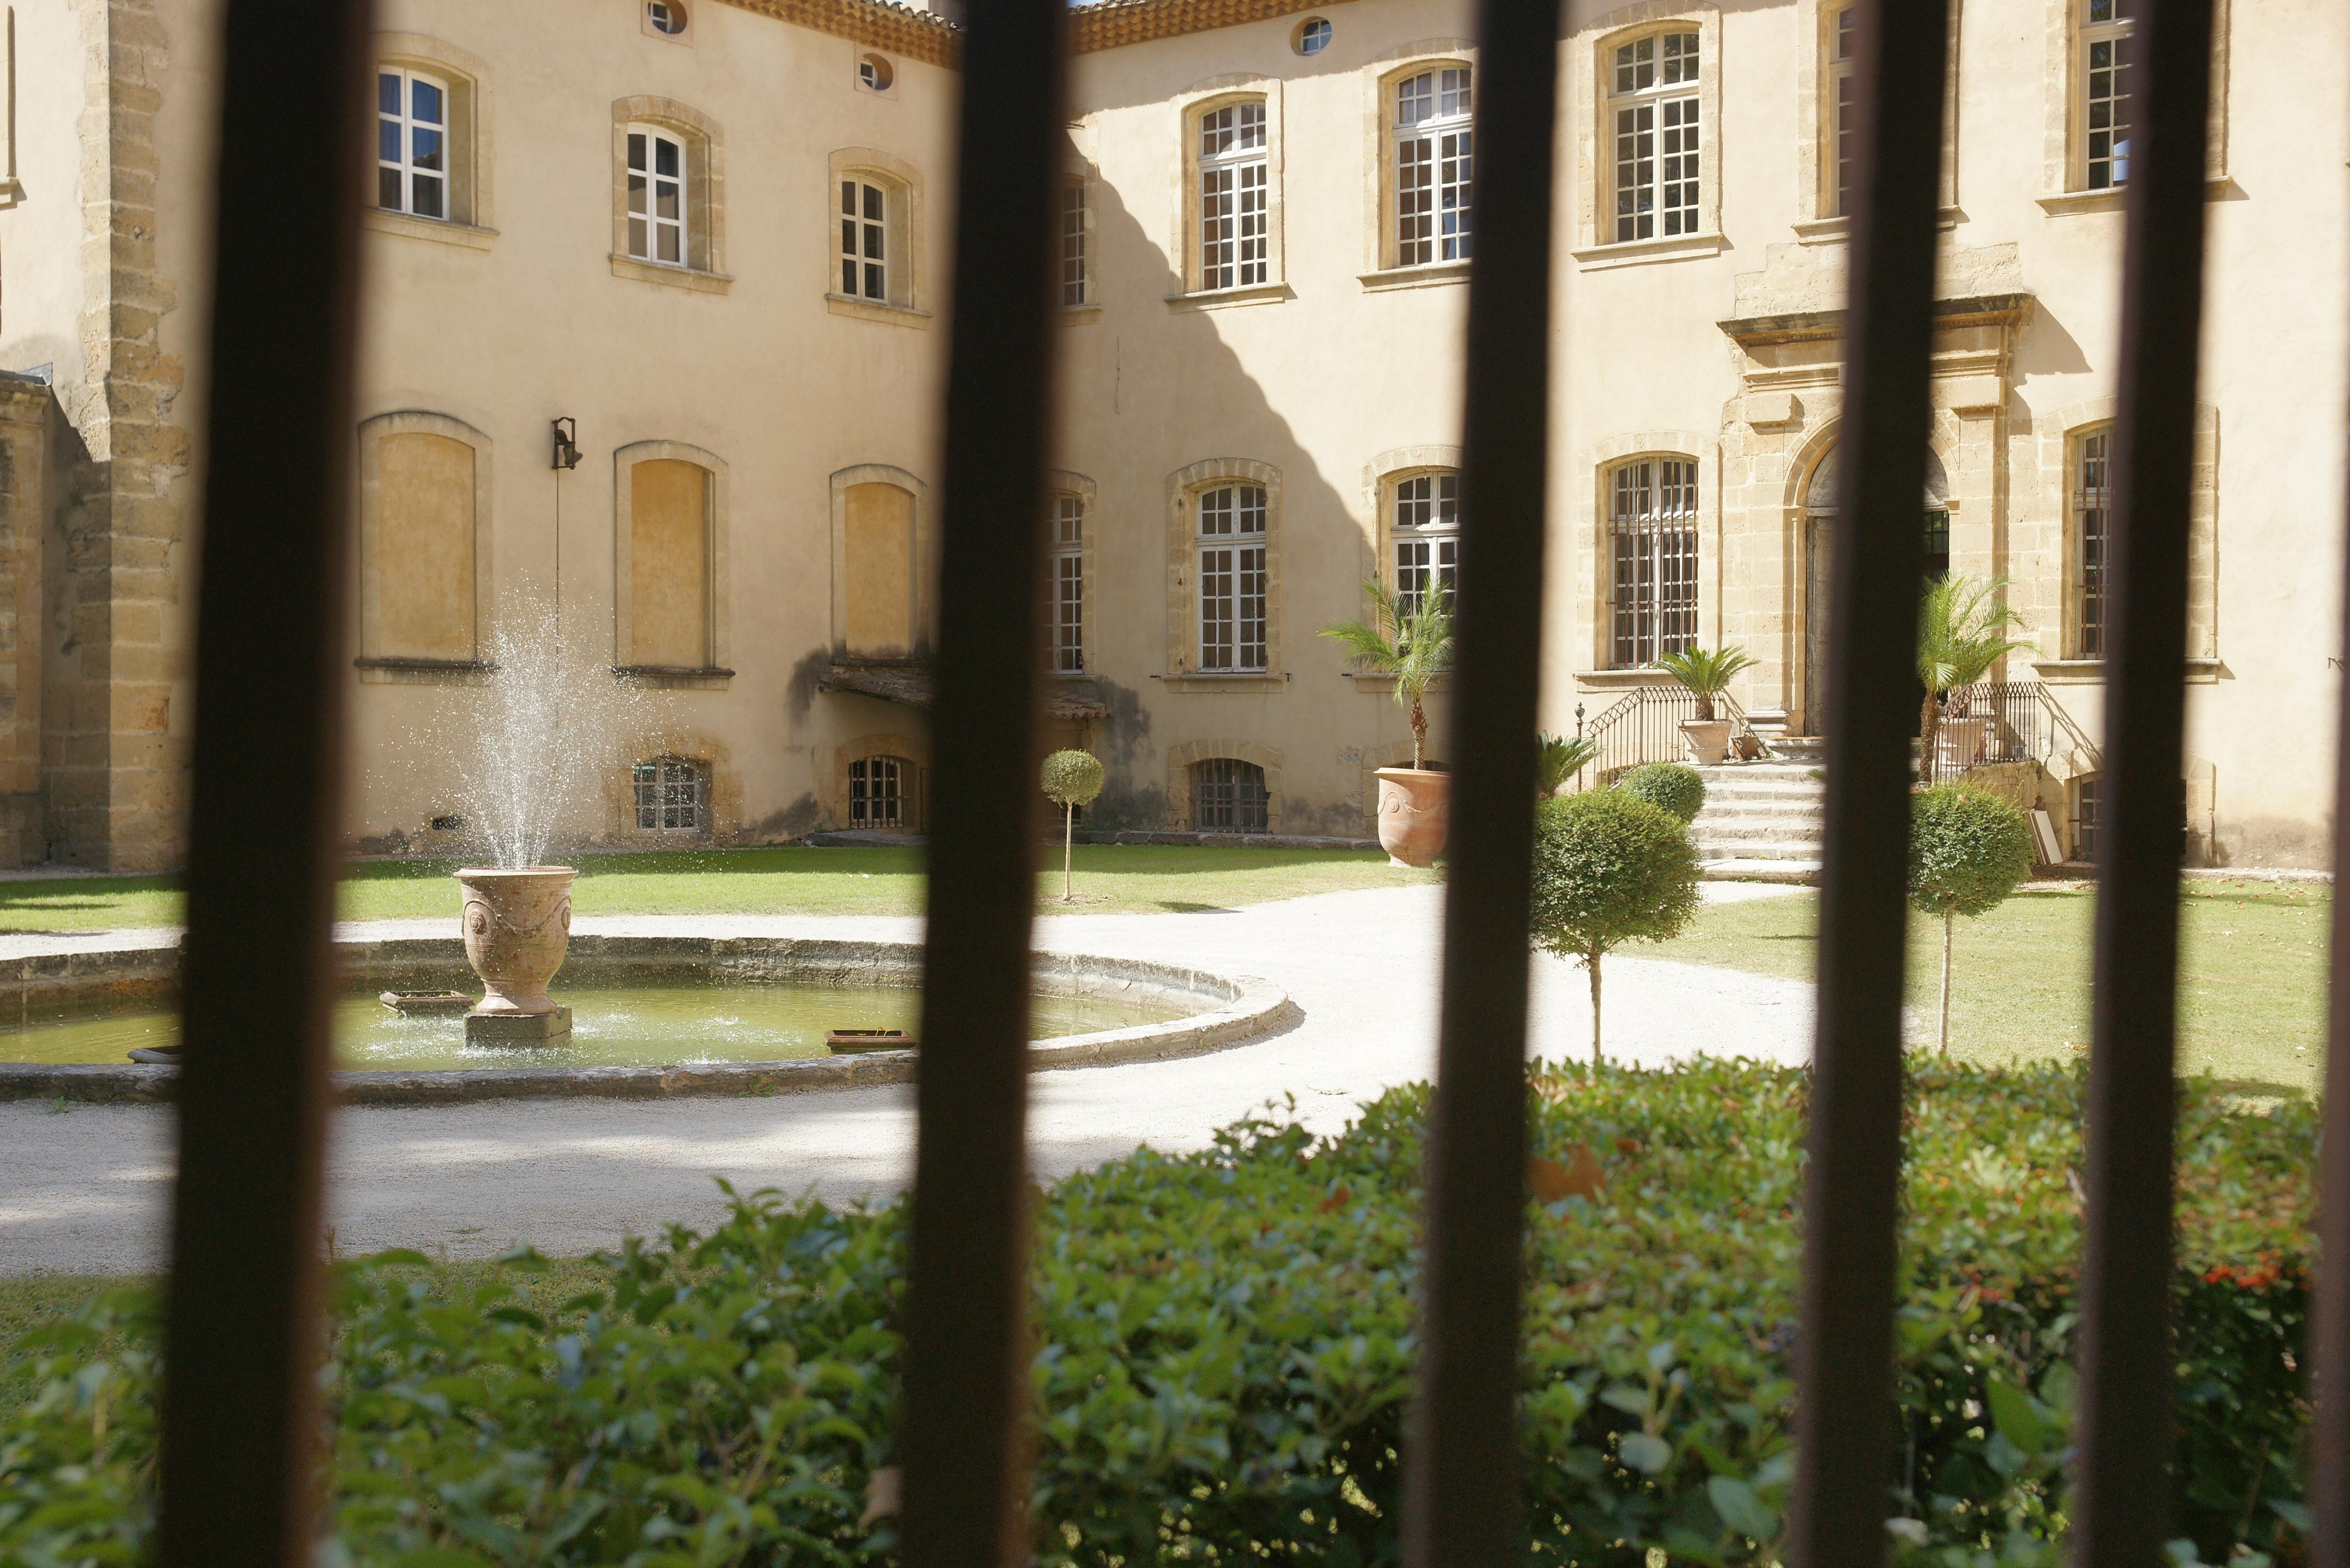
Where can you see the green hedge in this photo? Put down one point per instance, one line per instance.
(1225, 1350)
(1675, 787)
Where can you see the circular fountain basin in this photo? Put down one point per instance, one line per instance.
(653, 1016)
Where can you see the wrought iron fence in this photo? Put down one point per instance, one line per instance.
(1994, 722)
(240, 1435)
(1644, 725)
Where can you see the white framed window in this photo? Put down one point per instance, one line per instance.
(1427, 537)
(672, 795)
(1067, 558)
(1433, 158)
(1235, 197)
(1232, 559)
(875, 73)
(2093, 516)
(1076, 259)
(666, 17)
(1844, 109)
(1653, 119)
(411, 143)
(1652, 547)
(657, 180)
(2103, 92)
(864, 240)
(878, 792)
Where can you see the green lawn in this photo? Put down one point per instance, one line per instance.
(791, 881)
(2252, 978)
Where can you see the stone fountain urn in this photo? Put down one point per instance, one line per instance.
(517, 925)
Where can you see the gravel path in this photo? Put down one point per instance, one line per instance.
(86, 1190)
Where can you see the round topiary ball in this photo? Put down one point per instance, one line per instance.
(1676, 788)
(1610, 867)
(1073, 778)
(1968, 850)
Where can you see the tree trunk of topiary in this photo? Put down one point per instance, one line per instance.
(1929, 730)
(1591, 962)
(1419, 733)
(1946, 982)
(1069, 836)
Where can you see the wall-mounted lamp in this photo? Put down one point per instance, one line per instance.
(566, 442)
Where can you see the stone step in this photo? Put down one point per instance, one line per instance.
(1772, 830)
(1805, 872)
(1764, 795)
(1760, 849)
(1762, 805)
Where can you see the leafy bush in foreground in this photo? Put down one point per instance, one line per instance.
(1226, 1347)
(1673, 786)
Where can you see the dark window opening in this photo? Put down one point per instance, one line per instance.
(672, 795)
(876, 792)
(1228, 795)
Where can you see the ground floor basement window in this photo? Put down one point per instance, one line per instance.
(672, 796)
(1228, 795)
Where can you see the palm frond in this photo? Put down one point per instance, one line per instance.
(1963, 627)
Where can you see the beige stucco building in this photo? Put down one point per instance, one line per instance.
(713, 236)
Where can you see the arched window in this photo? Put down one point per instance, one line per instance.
(670, 524)
(873, 207)
(1228, 795)
(864, 247)
(1232, 578)
(669, 206)
(1653, 123)
(1426, 533)
(1433, 158)
(424, 537)
(1652, 554)
(672, 795)
(412, 137)
(1234, 196)
(879, 789)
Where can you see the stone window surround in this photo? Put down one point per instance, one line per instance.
(908, 237)
(705, 225)
(715, 675)
(881, 743)
(2062, 163)
(919, 615)
(1061, 482)
(1189, 105)
(1380, 79)
(1814, 131)
(376, 665)
(1598, 464)
(471, 141)
(685, 741)
(1589, 68)
(1183, 487)
(1179, 759)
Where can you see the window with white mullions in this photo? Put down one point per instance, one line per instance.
(864, 240)
(1843, 107)
(1432, 153)
(1074, 269)
(1652, 538)
(1068, 558)
(2093, 512)
(672, 795)
(656, 196)
(1653, 110)
(1234, 214)
(411, 143)
(1427, 537)
(2105, 91)
(1232, 578)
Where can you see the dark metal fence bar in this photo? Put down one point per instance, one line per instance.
(966, 1339)
(240, 1440)
(1996, 721)
(1462, 1503)
(2121, 1498)
(1844, 1350)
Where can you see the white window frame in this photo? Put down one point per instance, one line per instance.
(864, 251)
(1066, 558)
(1840, 145)
(407, 125)
(2103, 53)
(672, 795)
(1431, 113)
(1655, 140)
(1652, 559)
(645, 185)
(1424, 532)
(1076, 257)
(1235, 599)
(1233, 190)
(2093, 539)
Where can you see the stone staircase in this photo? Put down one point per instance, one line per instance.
(1762, 820)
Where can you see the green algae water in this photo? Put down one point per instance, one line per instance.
(627, 1020)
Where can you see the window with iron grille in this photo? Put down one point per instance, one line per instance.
(1067, 589)
(1844, 108)
(1432, 156)
(877, 792)
(1653, 109)
(1427, 537)
(2085, 819)
(672, 795)
(411, 143)
(2105, 91)
(1652, 538)
(1076, 269)
(1234, 252)
(864, 240)
(1228, 795)
(2093, 511)
(657, 217)
(1231, 556)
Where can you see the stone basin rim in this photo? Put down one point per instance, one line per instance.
(1231, 1010)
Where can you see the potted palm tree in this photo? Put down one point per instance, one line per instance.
(1962, 632)
(1410, 641)
(1707, 675)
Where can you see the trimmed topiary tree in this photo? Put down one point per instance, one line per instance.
(1072, 779)
(1676, 788)
(1609, 867)
(1968, 850)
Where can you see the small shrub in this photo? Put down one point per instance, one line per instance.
(1609, 867)
(1968, 850)
(1674, 786)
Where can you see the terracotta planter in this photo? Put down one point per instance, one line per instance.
(517, 928)
(1707, 739)
(1415, 814)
